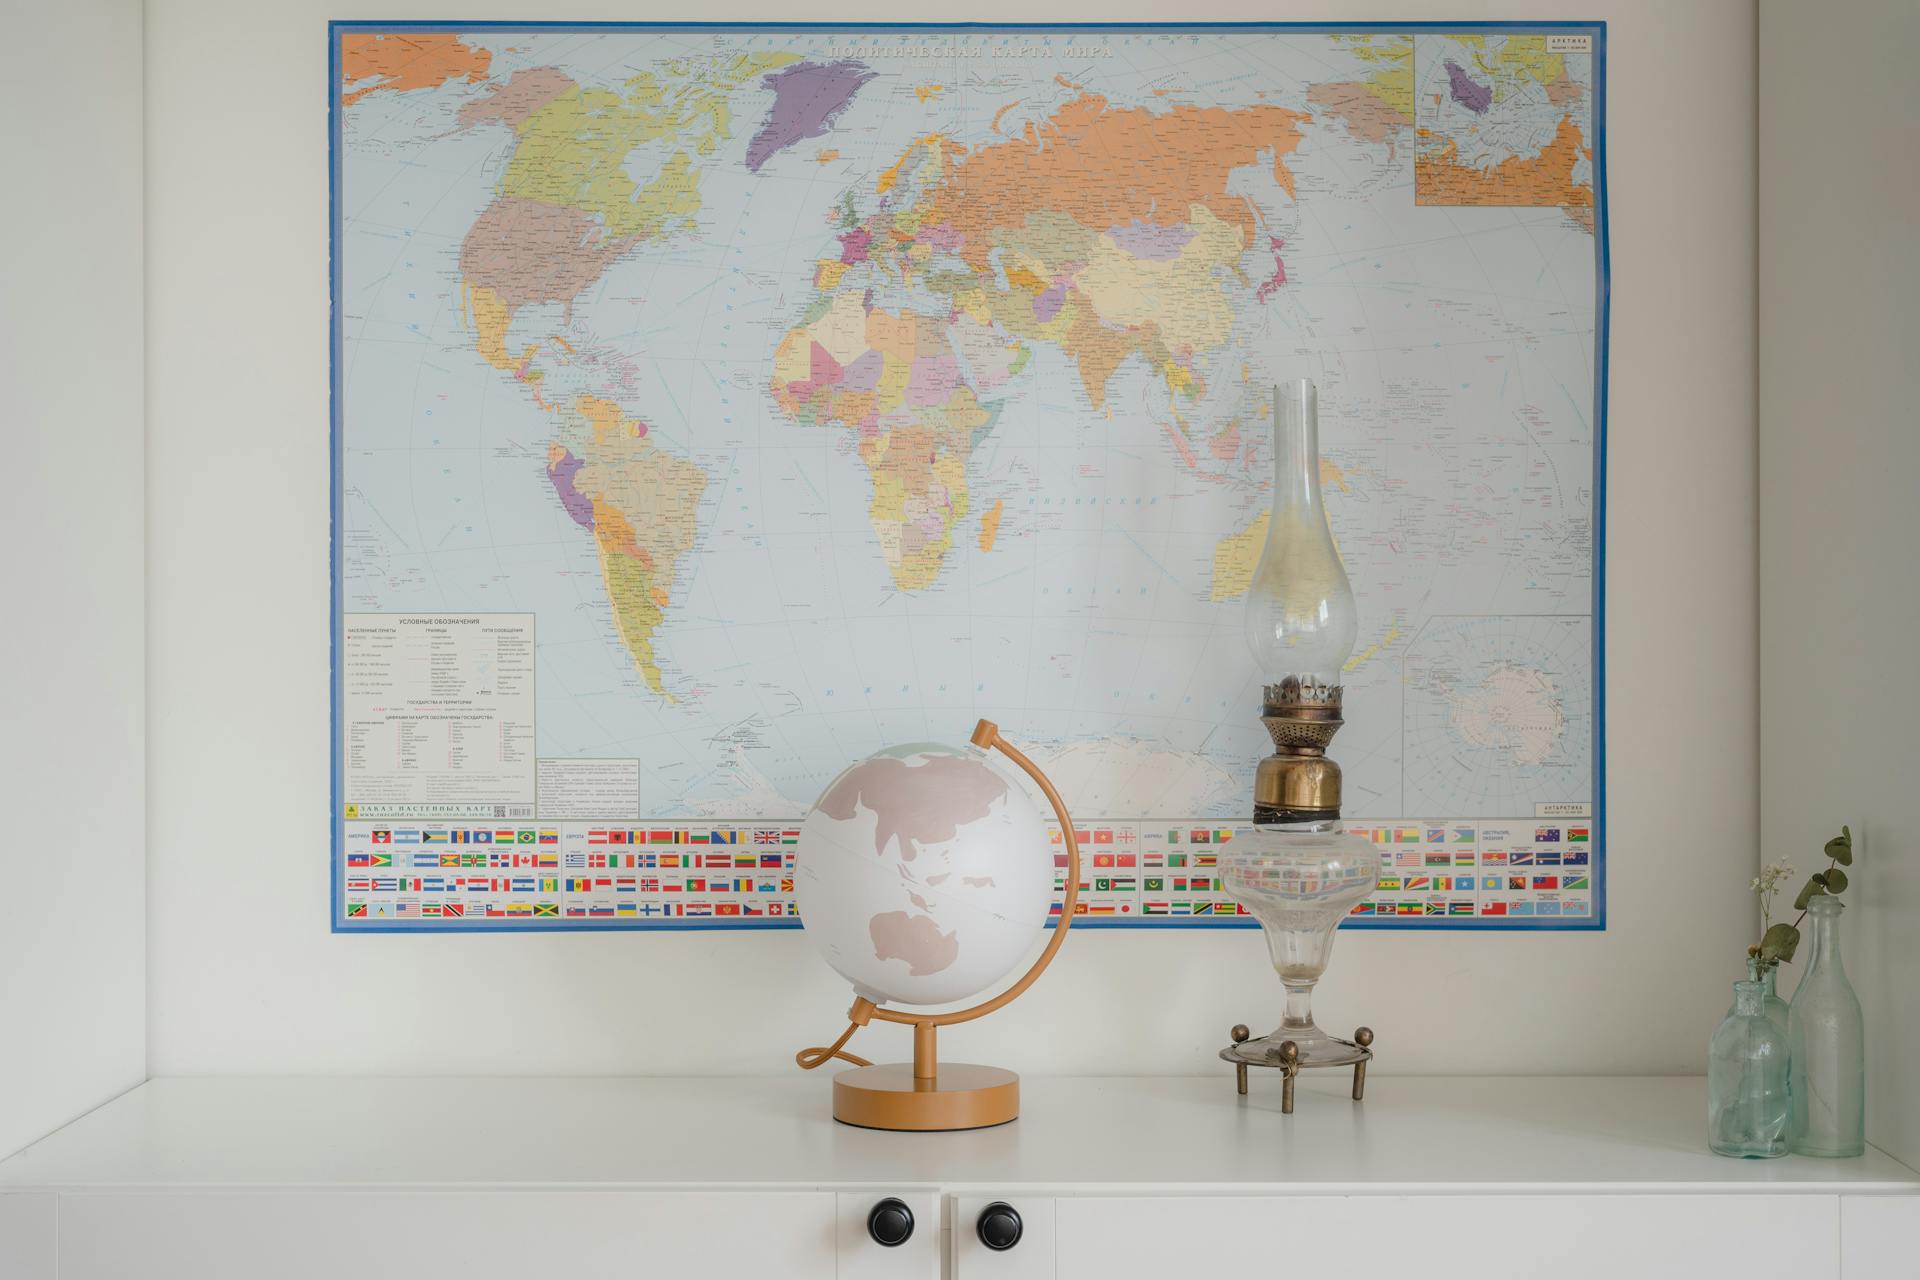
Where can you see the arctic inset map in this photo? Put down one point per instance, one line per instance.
(717, 405)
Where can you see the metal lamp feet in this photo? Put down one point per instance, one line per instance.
(1286, 1057)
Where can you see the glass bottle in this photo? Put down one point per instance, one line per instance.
(1827, 1044)
(1749, 1095)
(1766, 975)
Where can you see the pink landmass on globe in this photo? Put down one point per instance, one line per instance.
(915, 939)
(915, 804)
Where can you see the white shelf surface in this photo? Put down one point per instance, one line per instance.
(1515, 1134)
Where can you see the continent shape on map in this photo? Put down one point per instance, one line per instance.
(566, 206)
(1497, 710)
(1109, 233)
(640, 503)
(1517, 709)
(565, 209)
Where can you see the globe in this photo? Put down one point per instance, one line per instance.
(923, 874)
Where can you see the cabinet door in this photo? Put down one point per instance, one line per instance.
(28, 1229)
(1877, 1235)
(1485, 1237)
(475, 1235)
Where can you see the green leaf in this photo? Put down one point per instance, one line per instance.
(1840, 848)
(1779, 944)
(1815, 886)
(1836, 881)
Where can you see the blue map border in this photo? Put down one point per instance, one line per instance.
(1603, 294)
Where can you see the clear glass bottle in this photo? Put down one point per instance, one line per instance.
(1749, 1095)
(1827, 1044)
(1765, 975)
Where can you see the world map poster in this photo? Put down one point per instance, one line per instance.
(715, 405)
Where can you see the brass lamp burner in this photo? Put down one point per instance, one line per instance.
(1297, 783)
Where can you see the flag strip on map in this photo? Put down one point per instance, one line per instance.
(569, 874)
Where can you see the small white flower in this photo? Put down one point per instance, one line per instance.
(1767, 884)
(1772, 876)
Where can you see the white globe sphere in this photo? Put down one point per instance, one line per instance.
(923, 874)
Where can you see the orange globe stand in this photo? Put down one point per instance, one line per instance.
(928, 1095)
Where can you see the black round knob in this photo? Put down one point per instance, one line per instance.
(1000, 1226)
(890, 1223)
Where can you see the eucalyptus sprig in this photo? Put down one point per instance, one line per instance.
(1780, 941)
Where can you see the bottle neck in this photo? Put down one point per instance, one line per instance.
(1824, 924)
(1296, 447)
(1749, 999)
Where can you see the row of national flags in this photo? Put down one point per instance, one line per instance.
(469, 885)
(758, 859)
(1481, 873)
(533, 910)
(463, 835)
(382, 836)
(1466, 835)
(758, 836)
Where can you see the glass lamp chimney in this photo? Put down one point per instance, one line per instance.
(1300, 618)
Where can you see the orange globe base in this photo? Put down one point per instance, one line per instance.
(962, 1095)
(927, 1095)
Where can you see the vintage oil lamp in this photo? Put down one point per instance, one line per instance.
(1299, 873)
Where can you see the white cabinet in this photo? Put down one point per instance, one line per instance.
(1487, 1237)
(354, 1179)
(745, 1235)
(476, 1235)
(1482, 1237)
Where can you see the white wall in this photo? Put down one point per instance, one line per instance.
(245, 976)
(72, 649)
(1839, 488)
